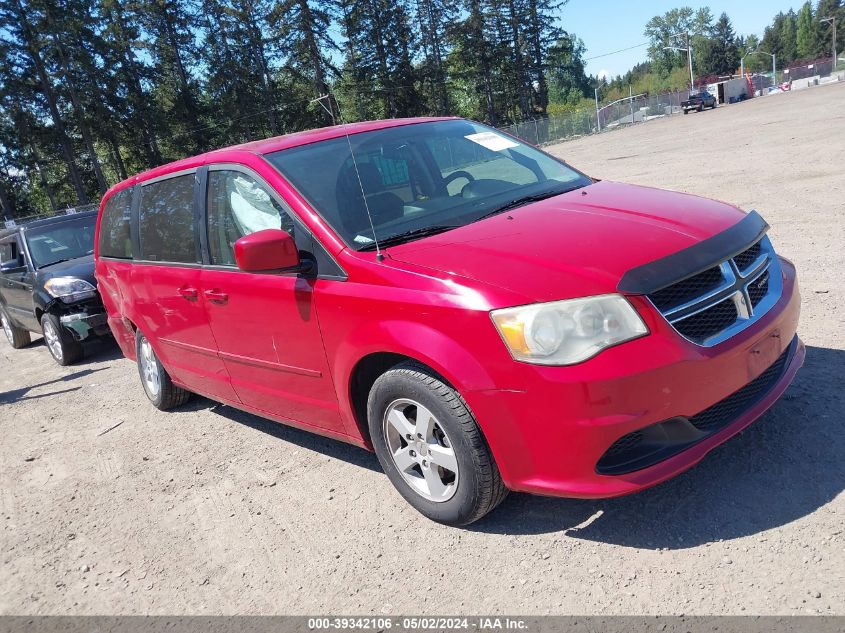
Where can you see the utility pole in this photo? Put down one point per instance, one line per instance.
(689, 59)
(598, 119)
(631, 101)
(832, 21)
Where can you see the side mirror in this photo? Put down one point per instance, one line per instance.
(267, 250)
(12, 267)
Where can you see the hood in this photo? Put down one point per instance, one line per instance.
(80, 267)
(576, 244)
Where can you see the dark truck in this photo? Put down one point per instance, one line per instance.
(699, 101)
(47, 284)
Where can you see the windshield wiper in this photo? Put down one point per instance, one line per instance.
(58, 261)
(407, 236)
(523, 200)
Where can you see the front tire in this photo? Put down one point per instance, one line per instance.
(17, 337)
(431, 447)
(64, 349)
(156, 381)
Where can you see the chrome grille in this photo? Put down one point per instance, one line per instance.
(711, 306)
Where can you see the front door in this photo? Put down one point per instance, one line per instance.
(265, 325)
(17, 286)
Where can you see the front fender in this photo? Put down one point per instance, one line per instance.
(444, 354)
(447, 356)
(42, 300)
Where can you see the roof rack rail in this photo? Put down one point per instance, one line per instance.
(11, 223)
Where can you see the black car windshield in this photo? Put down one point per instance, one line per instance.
(61, 241)
(420, 179)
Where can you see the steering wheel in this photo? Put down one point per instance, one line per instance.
(458, 174)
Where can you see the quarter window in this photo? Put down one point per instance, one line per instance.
(166, 221)
(115, 240)
(239, 205)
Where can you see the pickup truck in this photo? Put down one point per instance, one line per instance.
(699, 101)
(47, 284)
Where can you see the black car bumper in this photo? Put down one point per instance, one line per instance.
(84, 325)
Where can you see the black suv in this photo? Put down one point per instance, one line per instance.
(47, 284)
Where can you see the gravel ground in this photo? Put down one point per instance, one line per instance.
(108, 506)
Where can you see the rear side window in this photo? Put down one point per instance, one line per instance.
(115, 240)
(166, 221)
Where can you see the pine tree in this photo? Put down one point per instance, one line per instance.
(433, 17)
(567, 79)
(471, 61)
(304, 30)
(170, 25)
(26, 25)
(788, 32)
(541, 33)
(807, 40)
(723, 57)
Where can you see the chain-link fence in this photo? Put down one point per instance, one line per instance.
(632, 110)
(642, 108)
(819, 67)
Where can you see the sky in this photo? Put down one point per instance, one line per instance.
(610, 26)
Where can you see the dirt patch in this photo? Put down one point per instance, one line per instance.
(108, 506)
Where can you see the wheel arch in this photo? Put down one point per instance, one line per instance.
(445, 357)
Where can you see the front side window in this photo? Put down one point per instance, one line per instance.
(8, 251)
(115, 239)
(239, 205)
(418, 179)
(61, 242)
(166, 221)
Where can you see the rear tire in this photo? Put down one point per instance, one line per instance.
(156, 381)
(64, 349)
(431, 447)
(17, 337)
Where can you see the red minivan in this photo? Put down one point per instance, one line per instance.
(480, 314)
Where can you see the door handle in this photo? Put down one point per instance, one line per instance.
(216, 296)
(186, 292)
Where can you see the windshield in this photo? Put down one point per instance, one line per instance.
(419, 179)
(61, 241)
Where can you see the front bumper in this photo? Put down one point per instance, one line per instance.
(549, 436)
(84, 325)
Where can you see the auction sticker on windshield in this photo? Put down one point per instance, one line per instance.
(491, 141)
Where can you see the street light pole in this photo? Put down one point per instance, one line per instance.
(774, 67)
(832, 21)
(688, 49)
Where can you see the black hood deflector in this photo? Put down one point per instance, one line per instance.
(673, 268)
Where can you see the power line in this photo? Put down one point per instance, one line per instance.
(621, 50)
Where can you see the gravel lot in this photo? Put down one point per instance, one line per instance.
(209, 510)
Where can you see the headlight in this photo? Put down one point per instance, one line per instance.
(69, 289)
(567, 332)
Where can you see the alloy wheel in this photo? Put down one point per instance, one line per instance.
(51, 337)
(149, 368)
(421, 450)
